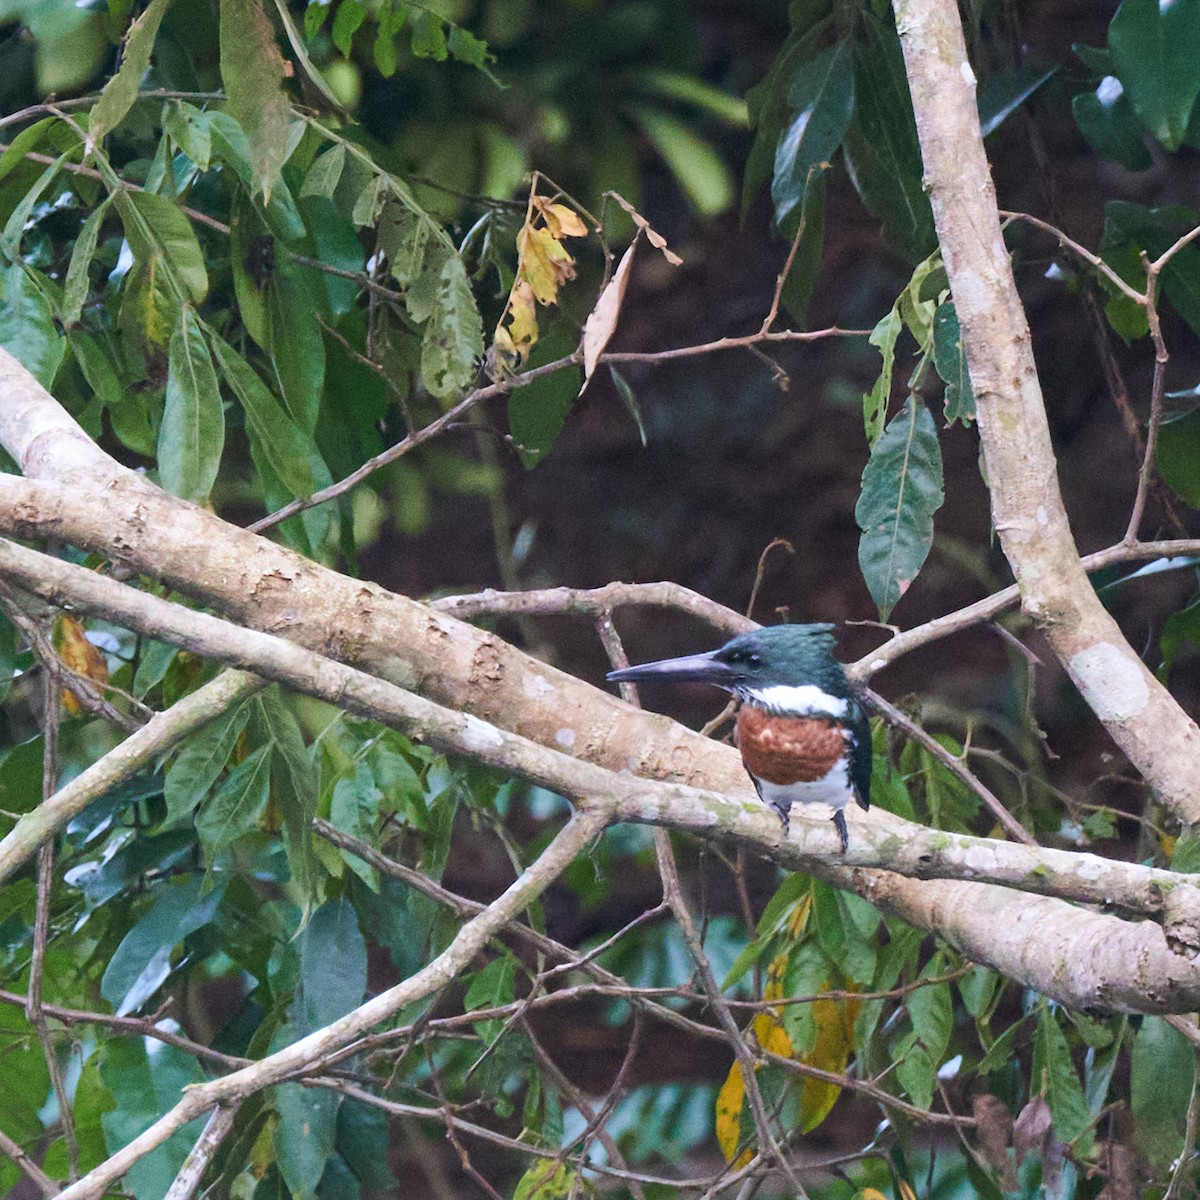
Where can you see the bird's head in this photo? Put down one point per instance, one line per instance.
(767, 666)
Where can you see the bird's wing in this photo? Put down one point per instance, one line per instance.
(860, 753)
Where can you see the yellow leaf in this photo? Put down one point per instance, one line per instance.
(560, 220)
(834, 1020)
(730, 1101)
(871, 1194)
(522, 318)
(71, 644)
(771, 1035)
(544, 262)
(906, 1190)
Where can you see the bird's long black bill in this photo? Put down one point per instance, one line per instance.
(693, 668)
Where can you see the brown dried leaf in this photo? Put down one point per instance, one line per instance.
(655, 238)
(560, 220)
(993, 1130)
(602, 321)
(1031, 1128)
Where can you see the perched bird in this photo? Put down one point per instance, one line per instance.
(802, 733)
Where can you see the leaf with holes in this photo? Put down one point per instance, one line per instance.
(901, 490)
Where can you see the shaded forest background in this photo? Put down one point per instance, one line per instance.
(724, 458)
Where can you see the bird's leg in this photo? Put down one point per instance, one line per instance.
(839, 820)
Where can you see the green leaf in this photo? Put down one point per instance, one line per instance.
(901, 490)
(295, 346)
(538, 411)
(8, 656)
(491, 988)
(630, 402)
(142, 961)
(881, 144)
(1053, 1075)
(121, 90)
(1154, 49)
(350, 15)
(326, 173)
(1003, 92)
(1186, 858)
(14, 227)
(453, 339)
(915, 1071)
(875, 402)
(146, 1079)
(78, 283)
(314, 77)
(1177, 455)
(27, 329)
(201, 760)
(190, 129)
(822, 97)
(1162, 1074)
(295, 785)
(286, 448)
(698, 169)
(546, 1179)
(253, 70)
(362, 1140)
(235, 806)
(1106, 119)
(354, 809)
(192, 435)
(92, 1100)
(157, 231)
(304, 1136)
(333, 963)
(951, 365)
(428, 35)
(26, 140)
(931, 1010)
(1132, 228)
(806, 266)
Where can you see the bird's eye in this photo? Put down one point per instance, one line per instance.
(753, 660)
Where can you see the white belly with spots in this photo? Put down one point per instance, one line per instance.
(832, 790)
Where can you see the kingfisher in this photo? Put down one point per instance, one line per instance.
(802, 732)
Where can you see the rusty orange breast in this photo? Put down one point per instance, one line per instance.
(783, 750)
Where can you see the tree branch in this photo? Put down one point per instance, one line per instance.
(879, 840)
(1141, 716)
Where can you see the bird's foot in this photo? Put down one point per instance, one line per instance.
(839, 821)
(783, 811)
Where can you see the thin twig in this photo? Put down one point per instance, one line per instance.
(12, 1149)
(951, 762)
(1146, 474)
(184, 1186)
(34, 1011)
